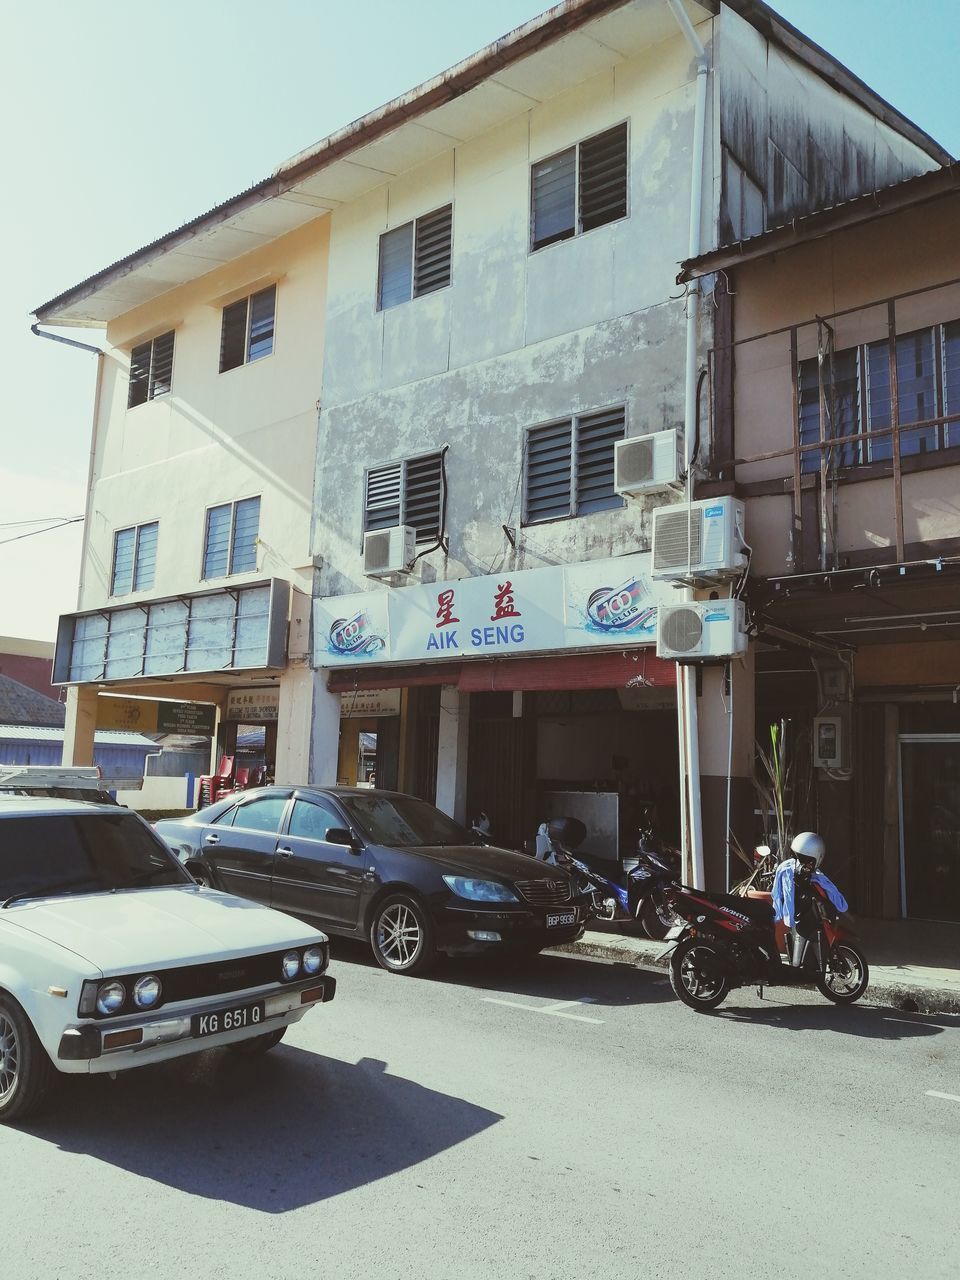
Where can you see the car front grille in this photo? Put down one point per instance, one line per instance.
(545, 893)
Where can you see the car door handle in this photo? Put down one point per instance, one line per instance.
(211, 839)
(285, 853)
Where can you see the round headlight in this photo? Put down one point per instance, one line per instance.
(146, 991)
(291, 964)
(313, 960)
(110, 997)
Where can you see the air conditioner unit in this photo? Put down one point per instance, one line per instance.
(644, 463)
(701, 629)
(713, 532)
(389, 551)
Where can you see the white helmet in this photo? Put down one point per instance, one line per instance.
(808, 847)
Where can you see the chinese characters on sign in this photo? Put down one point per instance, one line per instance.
(253, 706)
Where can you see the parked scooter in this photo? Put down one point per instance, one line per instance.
(724, 941)
(639, 896)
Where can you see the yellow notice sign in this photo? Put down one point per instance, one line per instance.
(141, 715)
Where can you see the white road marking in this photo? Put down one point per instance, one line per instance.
(912, 1022)
(950, 1097)
(556, 1010)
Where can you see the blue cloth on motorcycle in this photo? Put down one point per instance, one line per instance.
(783, 892)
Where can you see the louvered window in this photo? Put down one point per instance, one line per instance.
(151, 369)
(246, 331)
(408, 492)
(230, 539)
(580, 188)
(134, 559)
(415, 258)
(568, 468)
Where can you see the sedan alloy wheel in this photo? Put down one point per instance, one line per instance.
(402, 936)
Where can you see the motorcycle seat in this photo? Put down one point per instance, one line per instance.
(758, 909)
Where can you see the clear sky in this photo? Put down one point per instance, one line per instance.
(122, 122)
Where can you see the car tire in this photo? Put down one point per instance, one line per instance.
(26, 1071)
(402, 935)
(258, 1045)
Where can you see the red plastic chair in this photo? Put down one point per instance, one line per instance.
(242, 780)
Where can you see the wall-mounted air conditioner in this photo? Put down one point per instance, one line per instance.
(389, 551)
(644, 463)
(701, 629)
(713, 532)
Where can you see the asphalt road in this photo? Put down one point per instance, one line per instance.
(569, 1119)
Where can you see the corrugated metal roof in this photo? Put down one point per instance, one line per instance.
(102, 738)
(880, 203)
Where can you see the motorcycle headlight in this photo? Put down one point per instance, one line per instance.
(313, 960)
(479, 890)
(291, 965)
(146, 991)
(110, 997)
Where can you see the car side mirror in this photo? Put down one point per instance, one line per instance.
(340, 835)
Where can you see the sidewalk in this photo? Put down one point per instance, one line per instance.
(914, 964)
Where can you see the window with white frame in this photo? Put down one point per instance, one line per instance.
(151, 369)
(858, 398)
(246, 331)
(580, 188)
(415, 258)
(408, 492)
(230, 539)
(134, 558)
(568, 466)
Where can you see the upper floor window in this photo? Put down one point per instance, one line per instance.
(568, 466)
(246, 332)
(134, 559)
(415, 258)
(151, 369)
(230, 540)
(408, 492)
(580, 188)
(858, 397)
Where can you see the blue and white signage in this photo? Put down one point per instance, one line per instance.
(600, 603)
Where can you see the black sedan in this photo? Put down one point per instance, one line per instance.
(379, 865)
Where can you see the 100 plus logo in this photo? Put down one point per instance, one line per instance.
(623, 608)
(355, 636)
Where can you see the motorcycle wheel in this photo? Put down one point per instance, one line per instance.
(654, 920)
(695, 974)
(845, 975)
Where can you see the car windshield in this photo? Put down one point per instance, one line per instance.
(82, 853)
(402, 821)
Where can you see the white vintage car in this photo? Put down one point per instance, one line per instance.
(112, 957)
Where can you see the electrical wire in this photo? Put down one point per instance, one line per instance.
(49, 529)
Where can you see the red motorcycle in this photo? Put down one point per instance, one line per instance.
(723, 942)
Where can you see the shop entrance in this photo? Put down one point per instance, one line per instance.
(930, 826)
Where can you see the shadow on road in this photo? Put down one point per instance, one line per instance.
(869, 1021)
(554, 977)
(274, 1134)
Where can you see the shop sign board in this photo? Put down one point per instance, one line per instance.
(253, 706)
(370, 702)
(602, 603)
(146, 715)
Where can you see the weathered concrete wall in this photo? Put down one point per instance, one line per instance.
(518, 338)
(800, 144)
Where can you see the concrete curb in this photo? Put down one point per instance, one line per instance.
(885, 988)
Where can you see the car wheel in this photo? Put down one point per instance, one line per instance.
(25, 1070)
(258, 1045)
(402, 936)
